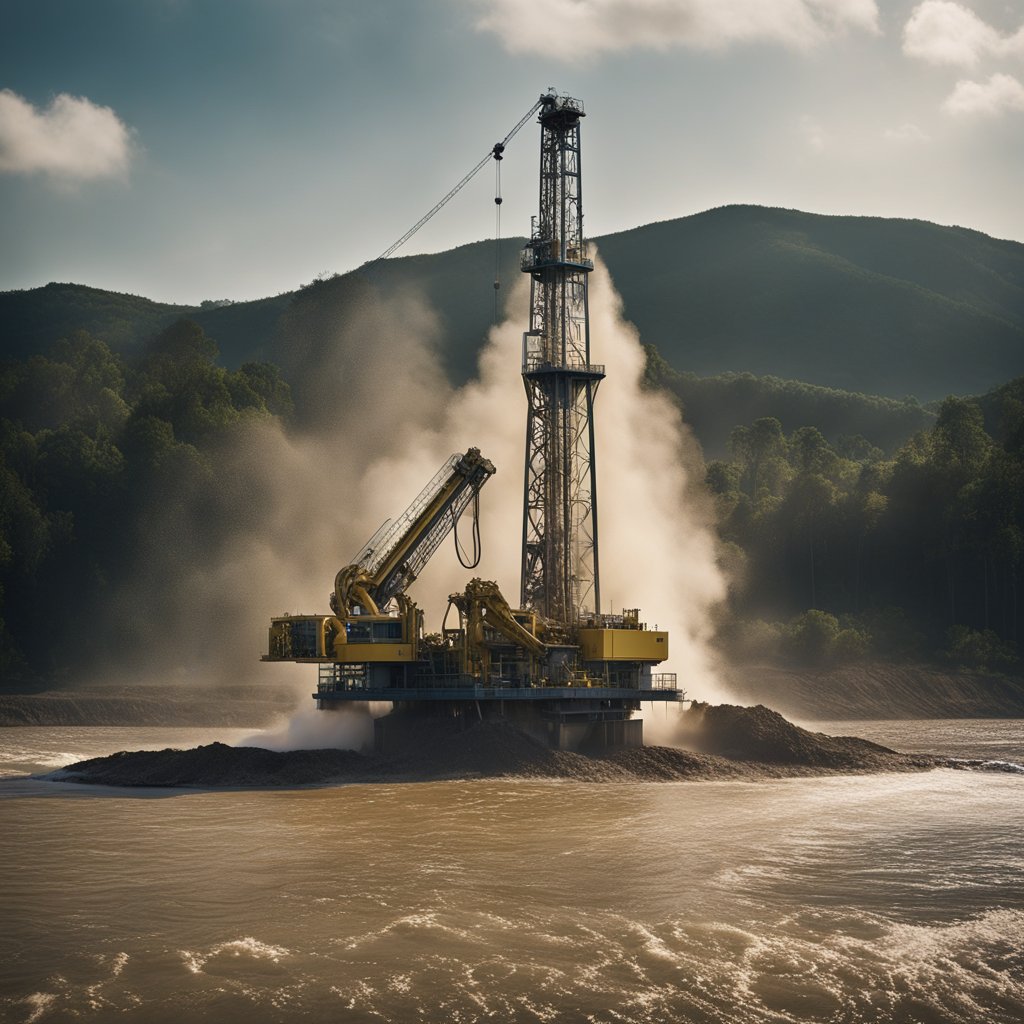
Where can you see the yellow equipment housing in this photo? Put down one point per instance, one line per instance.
(622, 645)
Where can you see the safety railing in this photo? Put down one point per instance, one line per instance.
(533, 363)
(596, 691)
(536, 255)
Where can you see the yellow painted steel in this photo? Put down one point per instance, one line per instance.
(356, 654)
(481, 608)
(332, 643)
(622, 645)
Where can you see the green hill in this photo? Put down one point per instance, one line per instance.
(886, 307)
(713, 406)
(889, 307)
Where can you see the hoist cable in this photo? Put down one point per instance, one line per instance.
(470, 563)
(494, 152)
(497, 232)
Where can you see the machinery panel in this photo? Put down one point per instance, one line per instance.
(357, 654)
(623, 645)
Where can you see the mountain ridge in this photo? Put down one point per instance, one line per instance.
(886, 306)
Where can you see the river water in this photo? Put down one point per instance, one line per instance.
(862, 898)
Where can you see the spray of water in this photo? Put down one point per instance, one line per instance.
(658, 547)
(309, 729)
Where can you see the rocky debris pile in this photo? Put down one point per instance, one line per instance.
(214, 765)
(726, 742)
(761, 735)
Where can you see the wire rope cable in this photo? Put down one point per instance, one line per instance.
(493, 153)
(497, 231)
(470, 562)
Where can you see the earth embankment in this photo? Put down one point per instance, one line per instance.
(719, 742)
(875, 690)
(149, 705)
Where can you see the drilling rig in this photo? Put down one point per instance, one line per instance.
(556, 666)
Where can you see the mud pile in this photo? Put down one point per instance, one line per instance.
(761, 735)
(214, 765)
(726, 742)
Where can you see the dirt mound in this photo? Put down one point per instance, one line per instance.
(728, 743)
(213, 765)
(762, 735)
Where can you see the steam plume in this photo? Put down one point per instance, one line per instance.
(298, 504)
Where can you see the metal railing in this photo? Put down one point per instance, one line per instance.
(543, 256)
(477, 692)
(534, 363)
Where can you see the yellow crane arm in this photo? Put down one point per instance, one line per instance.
(483, 604)
(395, 556)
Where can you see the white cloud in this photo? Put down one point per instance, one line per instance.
(906, 133)
(71, 139)
(1001, 93)
(574, 29)
(943, 32)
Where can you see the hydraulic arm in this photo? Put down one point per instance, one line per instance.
(397, 553)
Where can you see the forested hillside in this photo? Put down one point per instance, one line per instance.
(838, 549)
(885, 307)
(855, 521)
(713, 406)
(90, 445)
(866, 305)
(847, 552)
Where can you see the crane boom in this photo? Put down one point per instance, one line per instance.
(395, 556)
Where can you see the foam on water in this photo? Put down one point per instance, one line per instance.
(244, 947)
(1010, 767)
(803, 968)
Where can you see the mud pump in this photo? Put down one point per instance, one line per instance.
(563, 671)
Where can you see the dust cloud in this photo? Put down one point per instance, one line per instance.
(286, 507)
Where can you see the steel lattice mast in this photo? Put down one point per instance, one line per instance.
(560, 577)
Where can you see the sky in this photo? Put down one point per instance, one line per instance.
(188, 150)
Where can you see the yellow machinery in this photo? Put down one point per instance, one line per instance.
(374, 633)
(571, 684)
(566, 672)
(373, 621)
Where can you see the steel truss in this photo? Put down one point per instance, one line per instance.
(560, 577)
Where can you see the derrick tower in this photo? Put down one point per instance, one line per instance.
(556, 667)
(560, 578)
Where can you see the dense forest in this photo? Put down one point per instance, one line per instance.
(856, 520)
(853, 526)
(849, 551)
(89, 442)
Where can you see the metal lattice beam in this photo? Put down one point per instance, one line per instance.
(560, 577)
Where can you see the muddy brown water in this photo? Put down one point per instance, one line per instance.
(883, 897)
